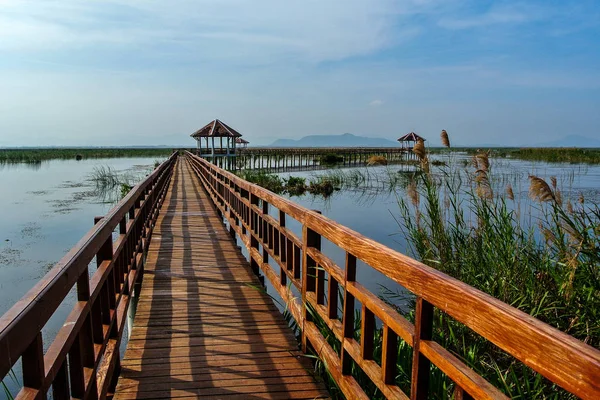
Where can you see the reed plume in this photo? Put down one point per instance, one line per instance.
(558, 197)
(484, 188)
(419, 149)
(445, 139)
(474, 161)
(539, 189)
(425, 164)
(481, 176)
(553, 181)
(483, 161)
(509, 192)
(413, 194)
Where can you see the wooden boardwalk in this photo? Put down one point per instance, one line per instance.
(202, 329)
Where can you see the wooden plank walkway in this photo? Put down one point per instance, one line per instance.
(200, 330)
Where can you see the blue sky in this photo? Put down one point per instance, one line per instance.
(151, 72)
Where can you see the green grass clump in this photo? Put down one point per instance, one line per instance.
(331, 158)
(295, 185)
(272, 182)
(44, 154)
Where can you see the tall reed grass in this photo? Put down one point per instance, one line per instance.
(545, 263)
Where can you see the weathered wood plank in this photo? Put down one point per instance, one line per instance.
(202, 329)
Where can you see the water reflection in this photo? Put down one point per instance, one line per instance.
(33, 165)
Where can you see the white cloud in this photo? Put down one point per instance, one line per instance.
(268, 30)
(376, 103)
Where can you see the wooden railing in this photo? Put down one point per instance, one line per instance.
(321, 150)
(83, 359)
(559, 357)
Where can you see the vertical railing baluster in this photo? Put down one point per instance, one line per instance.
(32, 362)
(332, 298)
(320, 284)
(460, 394)
(367, 333)
(253, 241)
(310, 239)
(389, 355)
(76, 370)
(123, 264)
(265, 232)
(86, 334)
(348, 313)
(60, 385)
(108, 288)
(421, 364)
(281, 249)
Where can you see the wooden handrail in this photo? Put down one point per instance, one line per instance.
(557, 356)
(92, 332)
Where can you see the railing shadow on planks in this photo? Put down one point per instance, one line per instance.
(557, 356)
(83, 359)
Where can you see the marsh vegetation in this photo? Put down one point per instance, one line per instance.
(31, 155)
(541, 256)
(571, 155)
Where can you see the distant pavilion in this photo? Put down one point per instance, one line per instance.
(242, 142)
(408, 141)
(216, 129)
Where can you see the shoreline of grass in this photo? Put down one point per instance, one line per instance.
(38, 155)
(570, 155)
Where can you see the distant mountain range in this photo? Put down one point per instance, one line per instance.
(345, 140)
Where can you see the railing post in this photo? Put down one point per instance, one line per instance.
(33, 364)
(389, 355)
(254, 231)
(310, 239)
(265, 232)
(281, 249)
(421, 364)
(348, 313)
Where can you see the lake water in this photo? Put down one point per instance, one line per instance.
(45, 209)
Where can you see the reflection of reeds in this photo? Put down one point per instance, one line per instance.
(110, 185)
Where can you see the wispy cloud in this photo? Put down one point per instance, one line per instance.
(135, 70)
(309, 30)
(496, 15)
